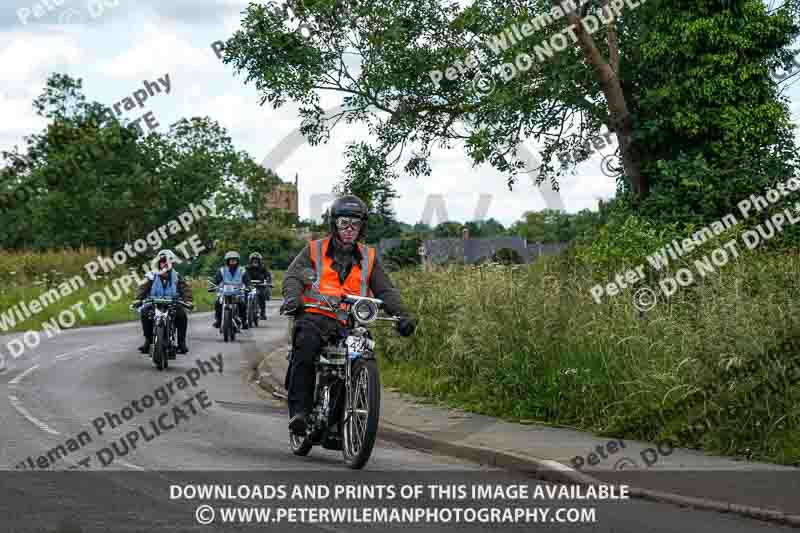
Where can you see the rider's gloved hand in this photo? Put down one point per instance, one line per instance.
(406, 326)
(290, 306)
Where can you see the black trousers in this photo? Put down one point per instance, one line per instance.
(263, 296)
(181, 321)
(242, 311)
(311, 331)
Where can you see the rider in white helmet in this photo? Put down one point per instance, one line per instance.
(165, 283)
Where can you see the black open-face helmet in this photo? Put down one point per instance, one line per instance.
(348, 206)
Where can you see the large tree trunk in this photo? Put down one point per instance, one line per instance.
(620, 120)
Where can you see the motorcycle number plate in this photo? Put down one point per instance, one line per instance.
(355, 345)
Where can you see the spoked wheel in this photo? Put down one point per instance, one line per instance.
(251, 315)
(361, 414)
(227, 326)
(160, 348)
(299, 445)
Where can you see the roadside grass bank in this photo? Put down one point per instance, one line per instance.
(715, 367)
(112, 312)
(25, 275)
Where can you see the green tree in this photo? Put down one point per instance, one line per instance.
(448, 229)
(722, 132)
(563, 100)
(369, 177)
(92, 181)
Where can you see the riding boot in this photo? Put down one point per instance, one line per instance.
(145, 348)
(182, 348)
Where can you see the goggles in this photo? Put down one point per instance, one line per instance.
(343, 223)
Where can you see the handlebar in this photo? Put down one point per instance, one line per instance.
(160, 301)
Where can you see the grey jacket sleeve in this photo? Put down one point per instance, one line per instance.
(382, 287)
(293, 281)
(144, 290)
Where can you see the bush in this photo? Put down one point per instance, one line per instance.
(709, 368)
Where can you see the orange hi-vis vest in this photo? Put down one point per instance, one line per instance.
(357, 282)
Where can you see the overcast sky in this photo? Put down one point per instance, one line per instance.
(138, 40)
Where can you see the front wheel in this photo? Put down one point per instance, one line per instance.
(160, 347)
(227, 325)
(299, 445)
(361, 414)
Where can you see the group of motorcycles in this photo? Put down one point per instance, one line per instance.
(347, 390)
(230, 297)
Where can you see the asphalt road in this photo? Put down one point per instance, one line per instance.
(60, 392)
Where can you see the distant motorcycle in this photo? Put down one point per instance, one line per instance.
(347, 393)
(253, 307)
(229, 297)
(165, 333)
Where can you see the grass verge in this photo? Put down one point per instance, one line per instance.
(716, 366)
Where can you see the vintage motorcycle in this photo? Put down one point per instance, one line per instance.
(253, 308)
(229, 297)
(347, 393)
(165, 333)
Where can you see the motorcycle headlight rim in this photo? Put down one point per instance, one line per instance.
(365, 311)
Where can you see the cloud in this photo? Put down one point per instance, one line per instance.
(156, 50)
(29, 56)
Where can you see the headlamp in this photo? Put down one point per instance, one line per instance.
(365, 311)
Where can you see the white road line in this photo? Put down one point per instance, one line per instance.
(69, 354)
(129, 465)
(21, 375)
(24, 412)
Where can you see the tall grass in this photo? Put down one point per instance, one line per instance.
(714, 367)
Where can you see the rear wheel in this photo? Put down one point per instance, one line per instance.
(361, 414)
(160, 347)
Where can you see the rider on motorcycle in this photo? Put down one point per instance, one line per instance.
(257, 272)
(232, 275)
(165, 283)
(341, 271)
